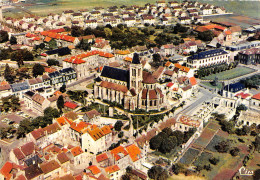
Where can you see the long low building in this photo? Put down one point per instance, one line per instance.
(208, 58)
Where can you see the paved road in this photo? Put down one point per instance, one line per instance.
(80, 81)
(206, 95)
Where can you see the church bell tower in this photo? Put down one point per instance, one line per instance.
(136, 74)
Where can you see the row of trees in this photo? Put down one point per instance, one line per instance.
(167, 140)
(251, 82)
(206, 71)
(10, 74)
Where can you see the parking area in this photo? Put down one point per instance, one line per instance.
(14, 119)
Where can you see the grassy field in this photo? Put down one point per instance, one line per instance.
(229, 74)
(219, 85)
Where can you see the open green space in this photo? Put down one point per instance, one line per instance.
(203, 159)
(189, 156)
(229, 74)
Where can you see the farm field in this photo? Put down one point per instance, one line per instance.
(203, 149)
(229, 74)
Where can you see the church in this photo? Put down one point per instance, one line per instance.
(133, 88)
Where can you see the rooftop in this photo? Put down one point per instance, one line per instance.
(207, 54)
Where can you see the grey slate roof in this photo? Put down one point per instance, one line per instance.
(20, 86)
(115, 73)
(206, 54)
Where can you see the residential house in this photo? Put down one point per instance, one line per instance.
(51, 169)
(62, 77)
(120, 157)
(114, 172)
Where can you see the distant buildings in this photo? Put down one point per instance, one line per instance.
(249, 56)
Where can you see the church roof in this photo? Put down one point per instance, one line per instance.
(148, 78)
(115, 73)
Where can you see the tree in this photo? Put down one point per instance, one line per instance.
(52, 44)
(257, 142)
(51, 112)
(207, 167)
(63, 88)
(246, 130)
(234, 151)
(155, 142)
(60, 103)
(13, 40)
(206, 35)
(3, 36)
(24, 128)
(118, 125)
(15, 103)
(84, 45)
(214, 160)
(21, 55)
(157, 173)
(53, 62)
(177, 168)
(8, 74)
(156, 58)
(76, 31)
(168, 144)
(3, 133)
(227, 126)
(121, 134)
(241, 107)
(222, 147)
(38, 69)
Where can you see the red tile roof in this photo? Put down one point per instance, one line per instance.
(242, 95)
(62, 157)
(6, 169)
(49, 166)
(70, 105)
(93, 113)
(79, 127)
(193, 81)
(170, 84)
(76, 151)
(148, 78)
(94, 169)
(256, 96)
(52, 128)
(114, 86)
(112, 169)
(101, 157)
(106, 130)
(18, 153)
(95, 132)
(168, 64)
(134, 152)
(62, 120)
(119, 152)
(28, 148)
(37, 133)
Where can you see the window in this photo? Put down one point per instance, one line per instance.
(151, 103)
